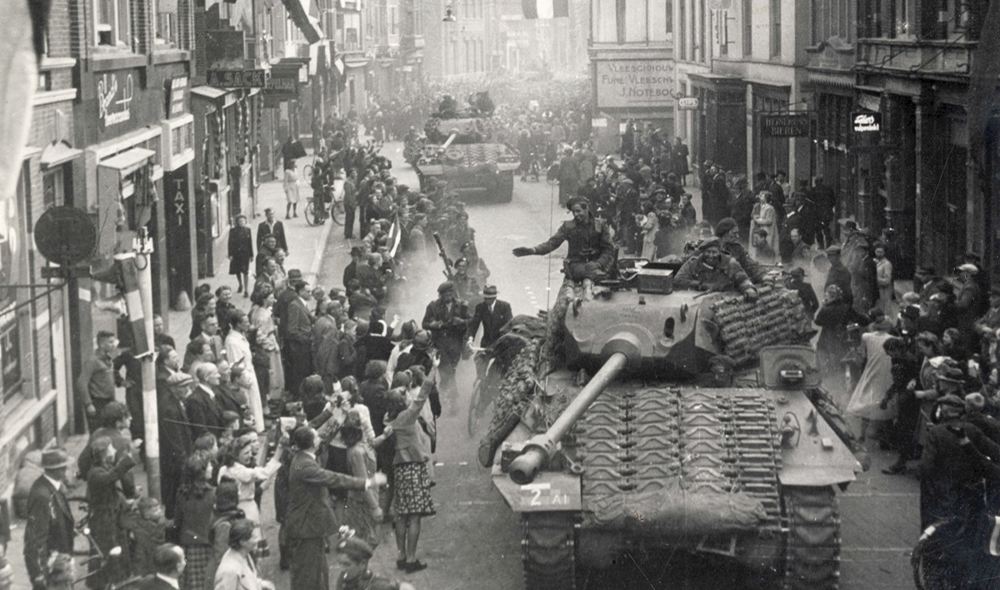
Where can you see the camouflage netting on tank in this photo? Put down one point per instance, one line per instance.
(744, 327)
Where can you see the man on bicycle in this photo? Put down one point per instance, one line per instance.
(493, 315)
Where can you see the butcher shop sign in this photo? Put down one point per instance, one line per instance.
(635, 83)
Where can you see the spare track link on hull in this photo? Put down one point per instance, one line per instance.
(712, 440)
(548, 551)
(813, 553)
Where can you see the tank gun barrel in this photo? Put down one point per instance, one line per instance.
(447, 144)
(539, 449)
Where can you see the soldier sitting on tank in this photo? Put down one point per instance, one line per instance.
(728, 233)
(711, 270)
(591, 252)
(448, 108)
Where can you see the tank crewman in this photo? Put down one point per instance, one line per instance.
(591, 252)
(720, 372)
(711, 270)
(728, 233)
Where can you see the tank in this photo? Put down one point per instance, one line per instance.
(456, 150)
(610, 450)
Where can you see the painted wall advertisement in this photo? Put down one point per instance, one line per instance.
(635, 83)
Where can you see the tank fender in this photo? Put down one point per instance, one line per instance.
(551, 491)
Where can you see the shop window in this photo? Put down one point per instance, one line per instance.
(10, 354)
(54, 188)
(605, 26)
(113, 23)
(831, 18)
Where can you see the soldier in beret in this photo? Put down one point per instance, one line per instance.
(447, 319)
(711, 270)
(353, 556)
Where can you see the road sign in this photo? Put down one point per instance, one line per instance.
(65, 235)
(237, 78)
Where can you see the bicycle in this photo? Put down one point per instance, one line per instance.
(484, 393)
(93, 551)
(335, 209)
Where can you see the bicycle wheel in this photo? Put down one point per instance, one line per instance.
(310, 213)
(337, 211)
(472, 422)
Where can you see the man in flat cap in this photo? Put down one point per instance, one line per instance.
(447, 319)
(591, 252)
(176, 438)
(969, 301)
(711, 270)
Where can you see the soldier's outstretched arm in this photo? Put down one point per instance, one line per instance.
(545, 247)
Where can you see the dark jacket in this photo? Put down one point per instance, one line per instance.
(204, 413)
(449, 337)
(840, 276)
(299, 325)
(491, 321)
(589, 242)
(195, 516)
(240, 245)
(310, 512)
(49, 527)
(278, 231)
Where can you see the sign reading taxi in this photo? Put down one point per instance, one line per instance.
(237, 79)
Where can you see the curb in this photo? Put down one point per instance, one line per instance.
(324, 237)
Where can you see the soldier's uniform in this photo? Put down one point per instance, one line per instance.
(591, 251)
(727, 275)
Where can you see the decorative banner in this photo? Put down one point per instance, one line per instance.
(240, 79)
(634, 83)
(866, 122)
(785, 125)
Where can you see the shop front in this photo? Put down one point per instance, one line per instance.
(640, 90)
(718, 130)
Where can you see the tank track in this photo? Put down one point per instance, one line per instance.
(713, 440)
(813, 552)
(745, 327)
(548, 551)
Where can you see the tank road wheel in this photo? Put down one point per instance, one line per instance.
(812, 560)
(548, 551)
(505, 188)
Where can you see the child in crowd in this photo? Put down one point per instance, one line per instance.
(147, 528)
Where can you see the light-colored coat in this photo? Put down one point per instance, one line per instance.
(236, 572)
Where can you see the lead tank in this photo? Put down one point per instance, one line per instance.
(458, 150)
(617, 452)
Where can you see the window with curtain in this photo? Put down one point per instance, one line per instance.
(605, 25)
(832, 18)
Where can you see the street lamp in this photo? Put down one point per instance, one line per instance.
(449, 15)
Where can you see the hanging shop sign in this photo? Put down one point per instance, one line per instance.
(114, 98)
(176, 91)
(785, 125)
(634, 83)
(283, 83)
(238, 79)
(687, 103)
(866, 122)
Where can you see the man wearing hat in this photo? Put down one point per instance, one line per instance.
(969, 302)
(447, 319)
(796, 282)
(591, 251)
(282, 299)
(569, 176)
(493, 315)
(986, 326)
(711, 270)
(838, 274)
(950, 478)
(271, 227)
(50, 521)
(353, 556)
(176, 438)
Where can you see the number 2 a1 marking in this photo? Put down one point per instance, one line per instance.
(536, 497)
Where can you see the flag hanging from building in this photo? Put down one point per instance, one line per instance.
(545, 8)
(395, 236)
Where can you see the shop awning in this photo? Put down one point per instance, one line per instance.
(357, 62)
(298, 10)
(58, 152)
(129, 161)
(209, 92)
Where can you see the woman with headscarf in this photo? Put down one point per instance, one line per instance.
(866, 402)
(765, 218)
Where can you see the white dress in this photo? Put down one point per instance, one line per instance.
(246, 478)
(875, 380)
(291, 186)
(237, 348)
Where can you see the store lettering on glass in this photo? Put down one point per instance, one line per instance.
(111, 109)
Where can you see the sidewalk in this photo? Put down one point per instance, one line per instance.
(306, 244)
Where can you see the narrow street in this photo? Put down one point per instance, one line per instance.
(475, 540)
